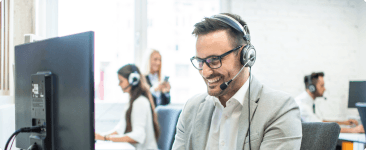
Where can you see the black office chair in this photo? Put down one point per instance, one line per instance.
(319, 136)
(167, 118)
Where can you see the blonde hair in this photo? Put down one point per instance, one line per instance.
(148, 64)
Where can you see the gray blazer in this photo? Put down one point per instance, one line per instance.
(275, 121)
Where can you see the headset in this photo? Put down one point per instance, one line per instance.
(311, 86)
(133, 78)
(247, 55)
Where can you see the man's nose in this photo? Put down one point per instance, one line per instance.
(206, 70)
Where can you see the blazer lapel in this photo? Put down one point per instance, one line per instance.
(255, 90)
(202, 124)
(148, 80)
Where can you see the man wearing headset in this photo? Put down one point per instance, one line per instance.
(219, 119)
(314, 85)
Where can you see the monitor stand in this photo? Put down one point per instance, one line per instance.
(41, 109)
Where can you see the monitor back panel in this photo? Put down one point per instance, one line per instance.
(357, 93)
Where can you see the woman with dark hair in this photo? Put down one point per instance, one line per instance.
(139, 125)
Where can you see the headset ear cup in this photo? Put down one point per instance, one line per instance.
(312, 88)
(247, 53)
(242, 53)
(134, 78)
(250, 55)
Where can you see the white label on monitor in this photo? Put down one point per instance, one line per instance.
(35, 89)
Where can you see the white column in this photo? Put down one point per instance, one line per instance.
(225, 6)
(46, 18)
(52, 18)
(140, 35)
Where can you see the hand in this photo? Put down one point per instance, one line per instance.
(358, 129)
(349, 122)
(166, 87)
(98, 137)
(352, 122)
(160, 87)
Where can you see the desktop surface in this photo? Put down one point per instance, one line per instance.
(109, 145)
(353, 137)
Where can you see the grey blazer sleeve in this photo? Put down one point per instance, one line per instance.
(183, 129)
(284, 129)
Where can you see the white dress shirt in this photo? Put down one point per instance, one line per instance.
(142, 124)
(225, 121)
(306, 102)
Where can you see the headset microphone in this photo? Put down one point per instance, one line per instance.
(124, 89)
(224, 85)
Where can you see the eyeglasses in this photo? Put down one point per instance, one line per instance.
(213, 62)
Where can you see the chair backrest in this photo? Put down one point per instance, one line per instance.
(361, 107)
(319, 135)
(168, 118)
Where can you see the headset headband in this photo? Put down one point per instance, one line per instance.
(309, 80)
(232, 23)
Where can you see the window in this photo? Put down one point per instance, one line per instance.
(113, 24)
(169, 25)
(5, 48)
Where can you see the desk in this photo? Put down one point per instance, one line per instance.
(358, 139)
(109, 145)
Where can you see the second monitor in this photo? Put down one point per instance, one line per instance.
(357, 93)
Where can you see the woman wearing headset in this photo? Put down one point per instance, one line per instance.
(159, 89)
(139, 125)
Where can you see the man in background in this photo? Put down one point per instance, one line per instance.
(314, 85)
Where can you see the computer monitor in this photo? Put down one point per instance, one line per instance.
(66, 65)
(357, 93)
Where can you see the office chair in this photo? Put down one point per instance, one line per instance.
(319, 135)
(167, 118)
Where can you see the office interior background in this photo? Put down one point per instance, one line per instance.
(293, 38)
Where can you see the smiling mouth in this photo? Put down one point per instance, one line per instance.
(213, 81)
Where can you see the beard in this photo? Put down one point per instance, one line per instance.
(213, 89)
(318, 94)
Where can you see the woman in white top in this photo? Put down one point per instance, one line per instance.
(139, 125)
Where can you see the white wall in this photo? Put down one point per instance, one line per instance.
(362, 37)
(295, 38)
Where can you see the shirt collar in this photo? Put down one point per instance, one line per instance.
(153, 76)
(238, 96)
(306, 98)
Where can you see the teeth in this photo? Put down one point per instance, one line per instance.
(213, 80)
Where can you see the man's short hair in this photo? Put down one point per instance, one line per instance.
(314, 78)
(208, 25)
